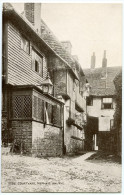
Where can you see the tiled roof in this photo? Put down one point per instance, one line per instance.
(49, 38)
(101, 80)
(55, 44)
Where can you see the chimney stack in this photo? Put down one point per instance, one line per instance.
(67, 46)
(104, 60)
(93, 60)
(32, 12)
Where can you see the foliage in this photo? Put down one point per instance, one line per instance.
(118, 98)
(70, 121)
(7, 137)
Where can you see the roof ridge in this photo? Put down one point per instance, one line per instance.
(56, 39)
(102, 68)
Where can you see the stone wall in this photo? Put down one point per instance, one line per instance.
(46, 140)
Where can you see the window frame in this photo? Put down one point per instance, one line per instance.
(47, 112)
(89, 98)
(40, 66)
(23, 37)
(103, 103)
(112, 126)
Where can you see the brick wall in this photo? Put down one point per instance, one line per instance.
(76, 145)
(22, 131)
(33, 13)
(4, 121)
(46, 141)
(37, 139)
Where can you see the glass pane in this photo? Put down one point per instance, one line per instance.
(107, 100)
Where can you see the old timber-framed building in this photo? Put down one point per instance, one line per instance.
(44, 124)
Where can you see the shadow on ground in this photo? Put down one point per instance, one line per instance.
(105, 157)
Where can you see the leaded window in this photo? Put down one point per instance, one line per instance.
(38, 108)
(107, 103)
(21, 106)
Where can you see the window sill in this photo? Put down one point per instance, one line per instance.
(32, 119)
(107, 108)
(37, 73)
(77, 138)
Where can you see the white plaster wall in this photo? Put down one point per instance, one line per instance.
(96, 110)
(104, 123)
(37, 131)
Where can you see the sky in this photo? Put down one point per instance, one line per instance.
(90, 27)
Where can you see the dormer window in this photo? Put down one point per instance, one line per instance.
(25, 45)
(37, 62)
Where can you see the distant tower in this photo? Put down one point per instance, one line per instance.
(93, 60)
(104, 60)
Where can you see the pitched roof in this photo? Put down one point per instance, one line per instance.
(49, 38)
(55, 44)
(101, 80)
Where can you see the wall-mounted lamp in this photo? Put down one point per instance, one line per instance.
(47, 85)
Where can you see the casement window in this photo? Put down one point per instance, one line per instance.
(28, 107)
(89, 101)
(25, 45)
(107, 103)
(37, 62)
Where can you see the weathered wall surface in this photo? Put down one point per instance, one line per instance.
(20, 63)
(46, 141)
(22, 131)
(37, 139)
(76, 145)
(60, 82)
(96, 110)
(104, 123)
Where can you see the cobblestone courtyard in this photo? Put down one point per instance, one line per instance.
(67, 174)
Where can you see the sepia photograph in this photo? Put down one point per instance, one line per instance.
(61, 97)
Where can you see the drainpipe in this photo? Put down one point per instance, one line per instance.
(63, 130)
